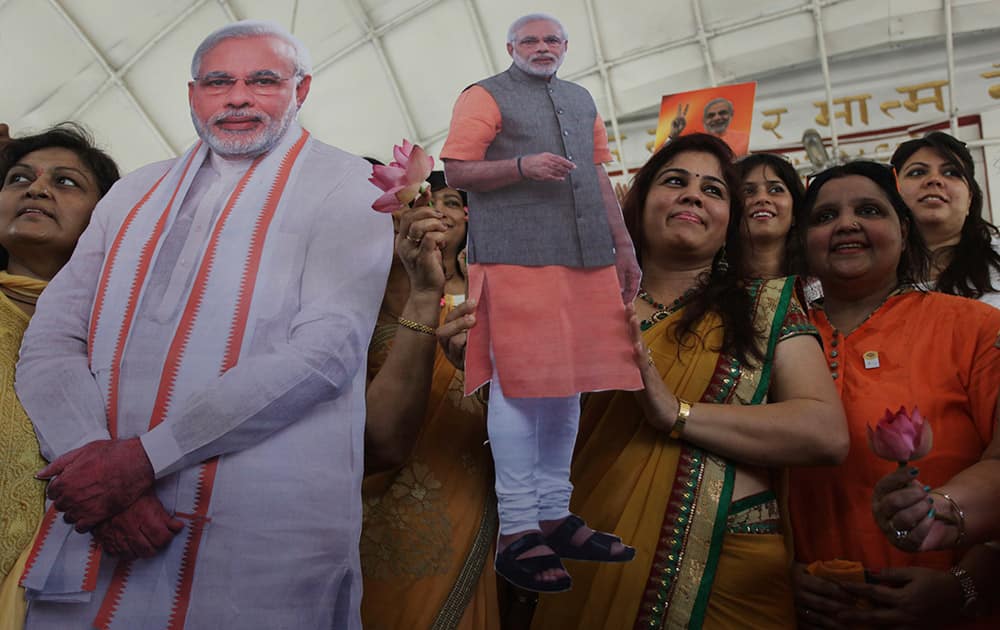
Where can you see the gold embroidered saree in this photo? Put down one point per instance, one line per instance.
(429, 529)
(671, 499)
(22, 497)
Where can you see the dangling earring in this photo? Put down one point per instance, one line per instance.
(721, 266)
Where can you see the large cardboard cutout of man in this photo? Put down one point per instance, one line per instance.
(195, 373)
(551, 264)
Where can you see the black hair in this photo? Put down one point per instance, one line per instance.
(437, 182)
(792, 263)
(723, 289)
(915, 259)
(968, 272)
(67, 135)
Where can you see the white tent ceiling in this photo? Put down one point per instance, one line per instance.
(388, 69)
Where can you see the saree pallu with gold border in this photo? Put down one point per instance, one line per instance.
(430, 526)
(671, 499)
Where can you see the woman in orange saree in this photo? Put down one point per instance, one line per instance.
(429, 510)
(697, 487)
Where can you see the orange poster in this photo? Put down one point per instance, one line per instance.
(725, 111)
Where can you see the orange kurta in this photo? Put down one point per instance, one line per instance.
(937, 352)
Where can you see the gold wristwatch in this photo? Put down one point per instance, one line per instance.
(683, 412)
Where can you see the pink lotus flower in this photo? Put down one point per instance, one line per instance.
(404, 179)
(901, 437)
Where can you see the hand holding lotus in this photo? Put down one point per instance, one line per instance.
(404, 179)
(900, 504)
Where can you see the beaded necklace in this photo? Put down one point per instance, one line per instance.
(662, 311)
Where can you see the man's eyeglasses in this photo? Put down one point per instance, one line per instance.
(551, 40)
(262, 83)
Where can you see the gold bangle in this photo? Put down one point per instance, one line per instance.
(960, 524)
(683, 413)
(417, 326)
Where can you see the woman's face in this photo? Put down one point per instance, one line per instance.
(687, 208)
(767, 205)
(853, 233)
(46, 202)
(933, 187)
(448, 202)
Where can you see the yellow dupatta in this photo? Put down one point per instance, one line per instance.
(430, 526)
(22, 500)
(665, 497)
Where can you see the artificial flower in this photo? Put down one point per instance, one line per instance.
(900, 436)
(404, 179)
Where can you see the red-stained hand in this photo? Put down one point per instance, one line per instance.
(911, 597)
(546, 167)
(142, 530)
(98, 480)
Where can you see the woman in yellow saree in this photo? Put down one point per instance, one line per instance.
(429, 510)
(696, 486)
(60, 175)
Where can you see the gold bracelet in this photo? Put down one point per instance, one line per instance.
(683, 413)
(417, 326)
(958, 512)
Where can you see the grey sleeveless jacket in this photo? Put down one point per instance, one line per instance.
(542, 223)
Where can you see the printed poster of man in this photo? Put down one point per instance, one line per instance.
(725, 111)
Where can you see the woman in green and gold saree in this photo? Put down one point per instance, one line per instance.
(690, 470)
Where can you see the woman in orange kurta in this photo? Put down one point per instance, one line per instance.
(429, 510)
(888, 344)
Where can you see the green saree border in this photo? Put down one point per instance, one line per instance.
(777, 318)
(676, 562)
(761, 291)
(675, 565)
(728, 474)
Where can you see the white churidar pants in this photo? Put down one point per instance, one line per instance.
(532, 441)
